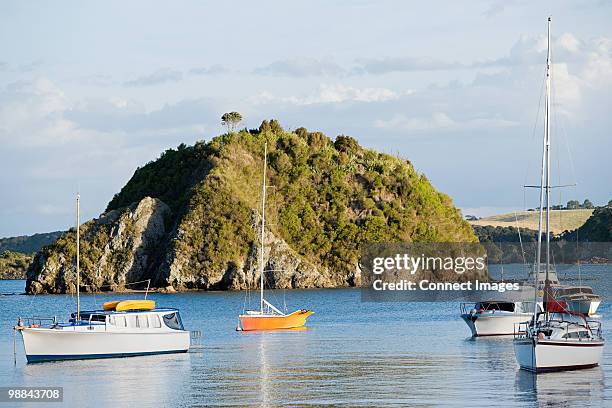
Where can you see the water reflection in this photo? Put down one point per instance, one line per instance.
(153, 379)
(566, 388)
(264, 371)
(354, 354)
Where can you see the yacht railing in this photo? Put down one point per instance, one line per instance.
(35, 321)
(521, 330)
(596, 327)
(466, 307)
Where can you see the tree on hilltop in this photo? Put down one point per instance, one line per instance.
(231, 120)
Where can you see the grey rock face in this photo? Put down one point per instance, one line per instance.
(284, 269)
(117, 248)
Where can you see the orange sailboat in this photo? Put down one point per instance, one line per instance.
(268, 317)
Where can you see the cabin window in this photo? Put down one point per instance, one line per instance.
(142, 321)
(131, 321)
(155, 321)
(501, 306)
(583, 334)
(119, 321)
(173, 321)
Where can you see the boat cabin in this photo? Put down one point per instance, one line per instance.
(137, 319)
(504, 306)
(574, 290)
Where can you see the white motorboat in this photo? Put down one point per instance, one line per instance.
(123, 328)
(103, 334)
(496, 318)
(578, 299)
(555, 339)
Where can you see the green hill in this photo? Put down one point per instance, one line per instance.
(598, 228)
(13, 265)
(28, 244)
(326, 200)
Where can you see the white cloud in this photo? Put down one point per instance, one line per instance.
(301, 67)
(402, 64)
(160, 76)
(439, 121)
(31, 114)
(216, 69)
(328, 94)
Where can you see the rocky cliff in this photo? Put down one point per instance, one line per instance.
(118, 248)
(189, 220)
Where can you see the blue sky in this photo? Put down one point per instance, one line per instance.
(88, 92)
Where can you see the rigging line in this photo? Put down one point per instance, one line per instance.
(535, 125)
(520, 239)
(32, 301)
(556, 122)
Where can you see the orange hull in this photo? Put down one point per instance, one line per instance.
(273, 322)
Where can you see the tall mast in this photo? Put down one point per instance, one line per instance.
(78, 282)
(547, 138)
(263, 221)
(544, 176)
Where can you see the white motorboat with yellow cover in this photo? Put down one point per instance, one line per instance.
(121, 329)
(133, 328)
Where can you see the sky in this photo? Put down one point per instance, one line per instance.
(89, 91)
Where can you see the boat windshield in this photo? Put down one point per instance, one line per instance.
(501, 306)
(562, 317)
(173, 321)
(575, 290)
(90, 317)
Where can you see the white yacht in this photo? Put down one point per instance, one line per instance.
(121, 329)
(555, 339)
(496, 318)
(103, 334)
(578, 299)
(559, 341)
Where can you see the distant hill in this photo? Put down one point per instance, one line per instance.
(28, 244)
(587, 243)
(488, 233)
(189, 219)
(13, 265)
(598, 228)
(560, 220)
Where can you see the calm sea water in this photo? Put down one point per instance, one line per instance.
(353, 354)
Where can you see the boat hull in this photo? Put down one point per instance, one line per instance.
(550, 355)
(498, 324)
(274, 322)
(42, 344)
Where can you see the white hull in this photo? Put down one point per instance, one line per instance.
(499, 324)
(43, 344)
(551, 355)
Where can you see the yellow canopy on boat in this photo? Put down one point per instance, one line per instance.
(136, 304)
(111, 305)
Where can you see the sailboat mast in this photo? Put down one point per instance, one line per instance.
(547, 137)
(78, 282)
(263, 221)
(544, 174)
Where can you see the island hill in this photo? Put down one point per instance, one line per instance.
(188, 220)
